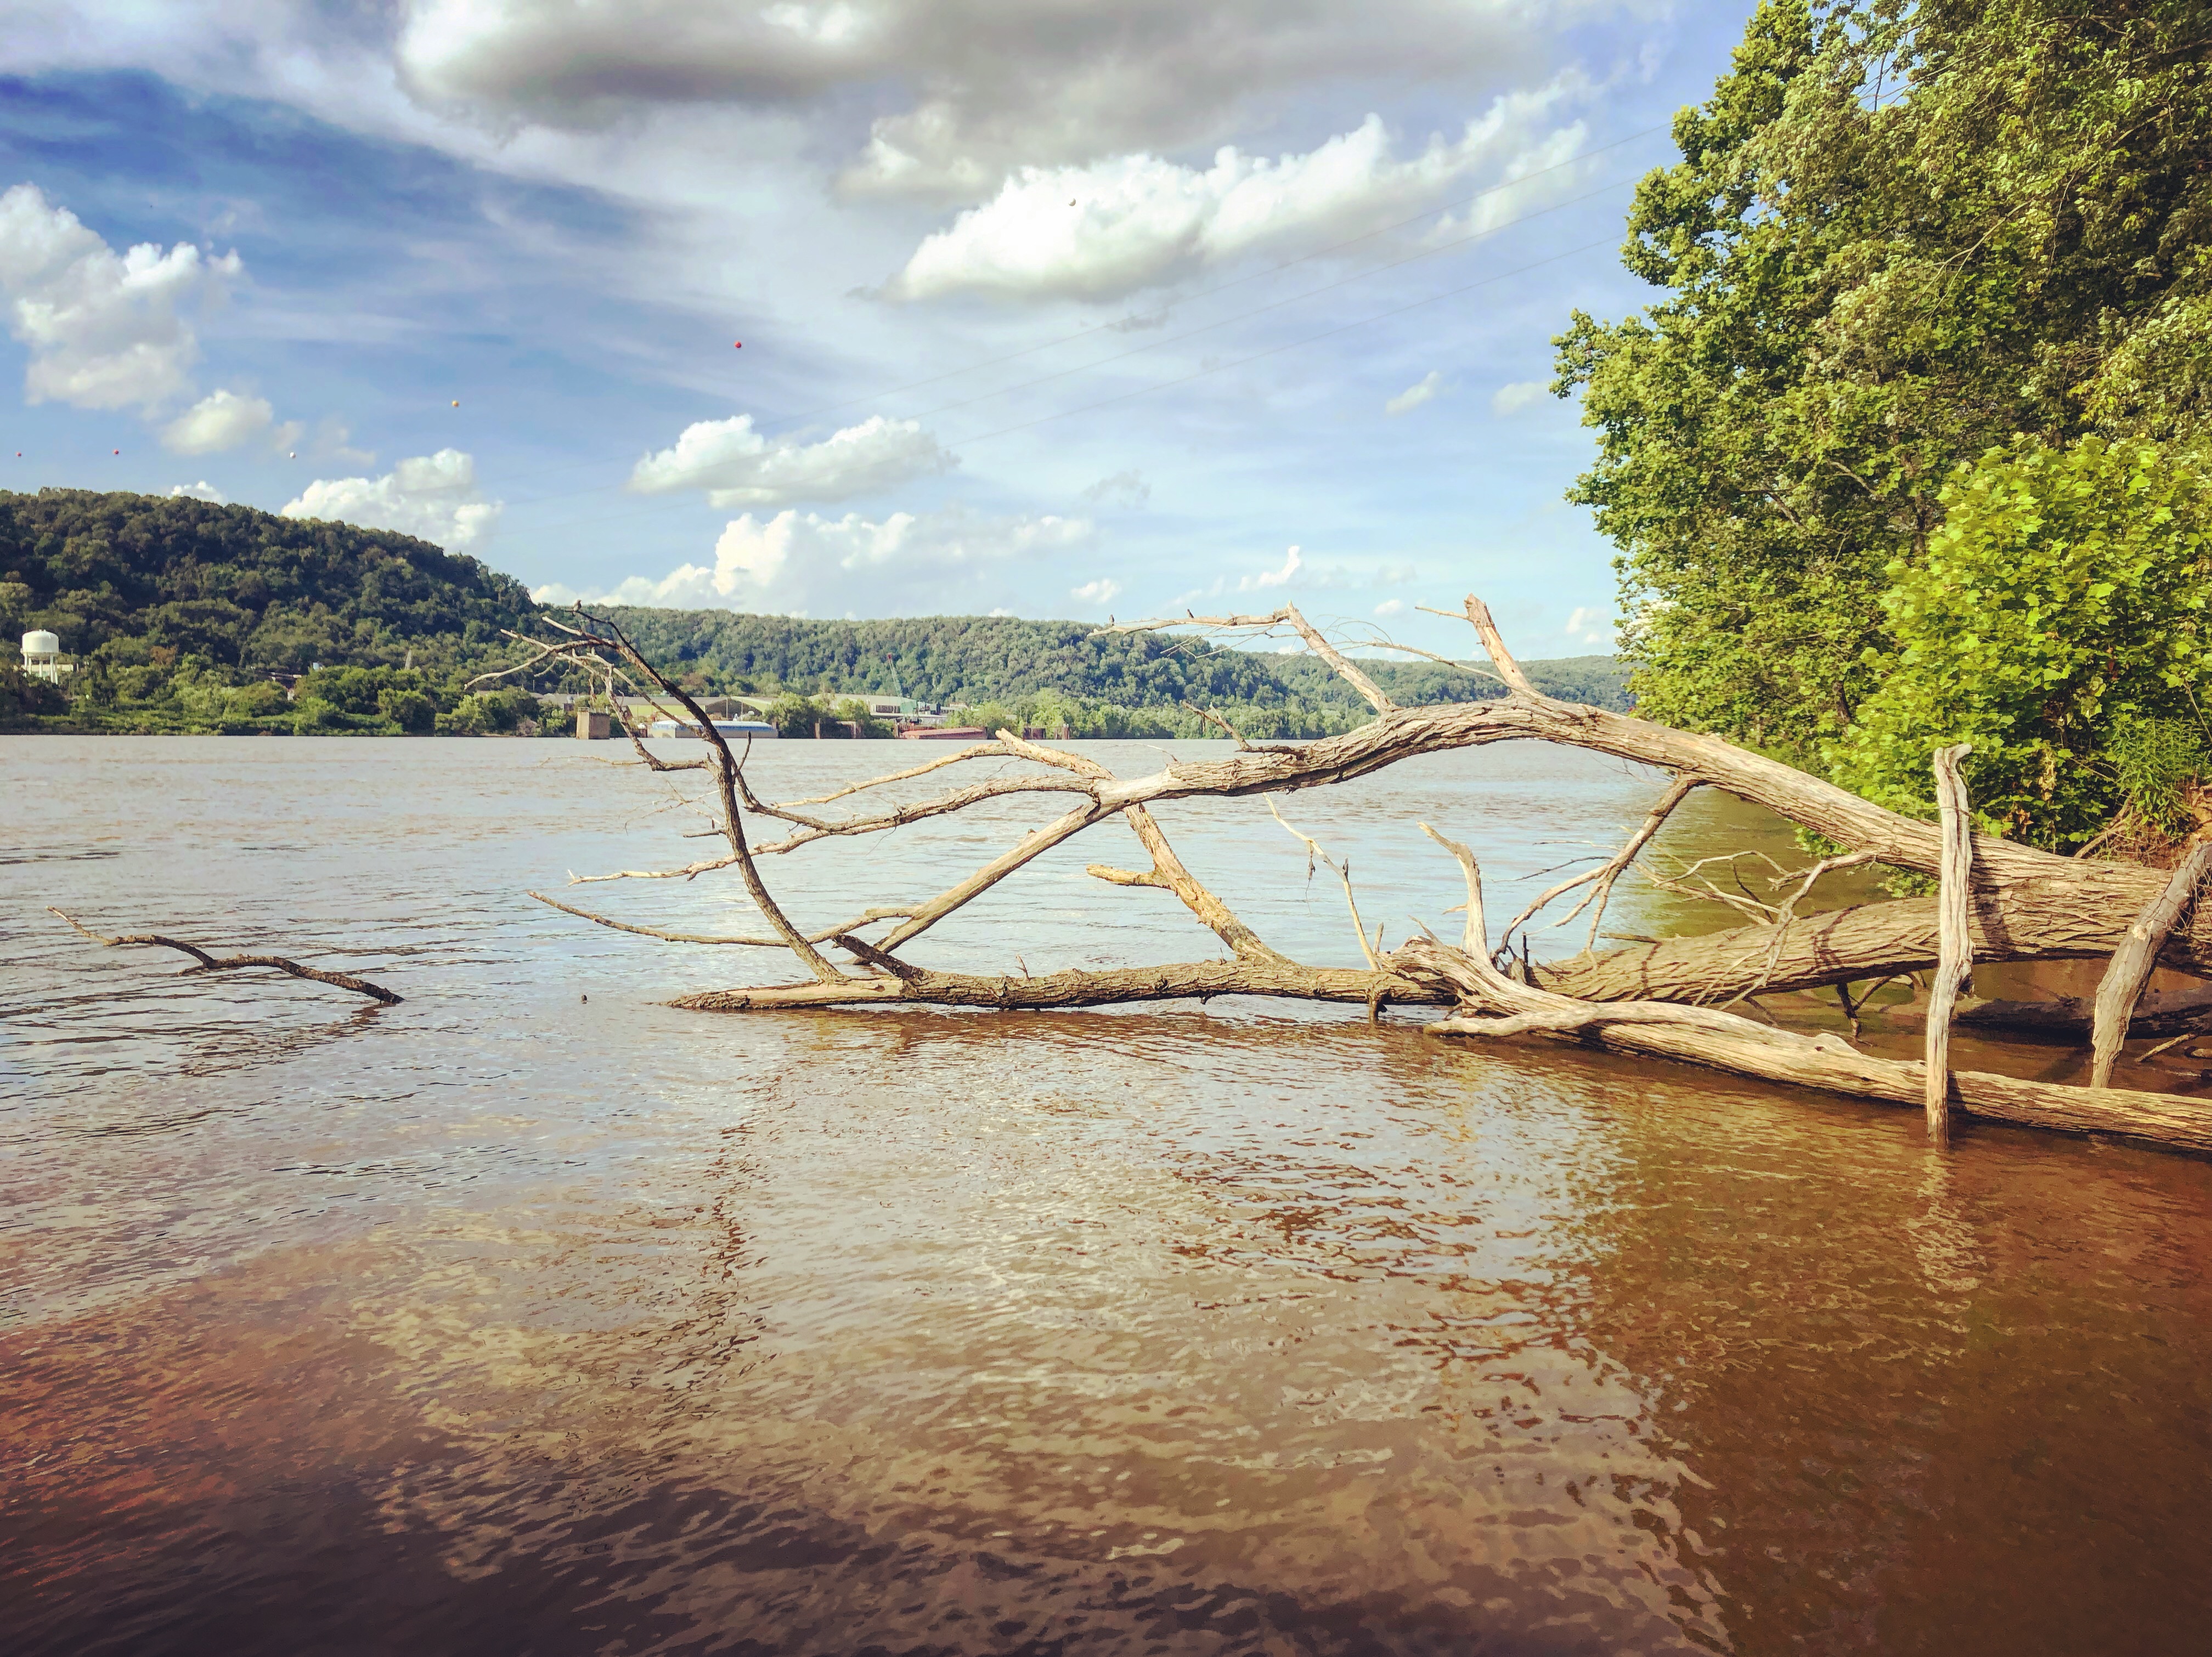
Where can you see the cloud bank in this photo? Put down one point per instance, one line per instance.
(737, 466)
(976, 87)
(105, 330)
(432, 497)
(805, 563)
(1112, 227)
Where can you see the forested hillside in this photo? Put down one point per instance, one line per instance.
(992, 658)
(179, 612)
(129, 579)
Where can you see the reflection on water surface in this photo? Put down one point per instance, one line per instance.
(508, 1320)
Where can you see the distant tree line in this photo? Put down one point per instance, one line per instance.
(182, 616)
(1051, 674)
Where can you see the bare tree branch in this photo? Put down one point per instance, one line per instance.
(2132, 964)
(1652, 1000)
(827, 935)
(1343, 872)
(973, 751)
(1954, 962)
(1315, 641)
(1214, 718)
(1678, 791)
(211, 963)
(898, 816)
(582, 644)
(1477, 614)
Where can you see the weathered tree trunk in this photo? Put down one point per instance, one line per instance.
(1954, 947)
(2132, 962)
(2065, 920)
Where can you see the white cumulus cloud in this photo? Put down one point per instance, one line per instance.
(1391, 607)
(737, 466)
(432, 497)
(1590, 627)
(1113, 227)
(1097, 592)
(1421, 391)
(105, 330)
(795, 561)
(1507, 399)
(223, 419)
(1274, 577)
(202, 490)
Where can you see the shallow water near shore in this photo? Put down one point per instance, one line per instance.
(532, 1315)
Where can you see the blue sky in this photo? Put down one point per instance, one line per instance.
(1062, 310)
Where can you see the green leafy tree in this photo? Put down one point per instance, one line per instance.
(490, 713)
(313, 717)
(1899, 235)
(411, 710)
(795, 715)
(2058, 622)
(851, 712)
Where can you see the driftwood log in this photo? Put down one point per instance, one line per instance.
(1662, 999)
(2132, 964)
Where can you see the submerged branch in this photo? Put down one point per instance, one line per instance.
(211, 963)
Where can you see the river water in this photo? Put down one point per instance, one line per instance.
(532, 1315)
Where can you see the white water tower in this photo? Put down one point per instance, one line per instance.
(42, 656)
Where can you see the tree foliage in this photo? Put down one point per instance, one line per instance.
(1899, 234)
(178, 612)
(122, 578)
(1037, 666)
(2058, 622)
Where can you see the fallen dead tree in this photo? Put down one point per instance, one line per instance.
(1666, 999)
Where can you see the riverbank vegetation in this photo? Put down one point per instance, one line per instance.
(1911, 450)
(1051, 674)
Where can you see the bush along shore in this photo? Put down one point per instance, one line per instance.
(193, 697)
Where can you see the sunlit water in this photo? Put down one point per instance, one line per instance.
(513, 1320)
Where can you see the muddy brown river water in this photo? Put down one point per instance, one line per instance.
(533, 1316)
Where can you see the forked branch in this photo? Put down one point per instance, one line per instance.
(214, 963)
(1288, 615)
